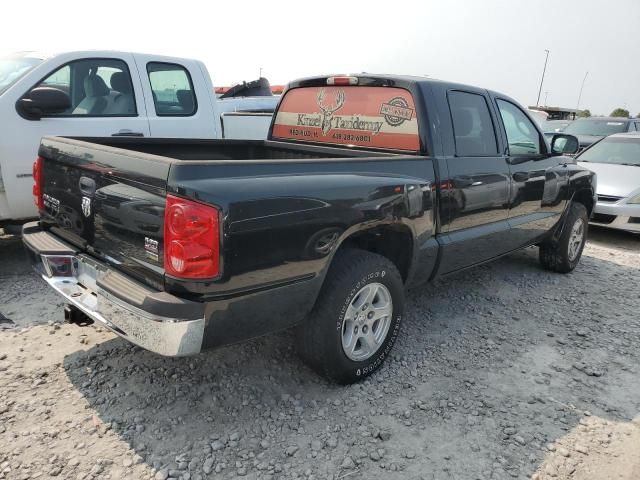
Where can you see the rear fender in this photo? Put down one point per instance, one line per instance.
(411, 204)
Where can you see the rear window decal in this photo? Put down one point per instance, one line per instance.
(396, 111)
(377, 117)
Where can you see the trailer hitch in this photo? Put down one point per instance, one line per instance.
(73, 314)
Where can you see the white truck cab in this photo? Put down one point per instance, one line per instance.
(108, 93)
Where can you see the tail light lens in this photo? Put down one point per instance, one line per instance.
(342, 81)
(191, 239)
(37, 183)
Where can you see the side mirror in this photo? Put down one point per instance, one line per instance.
(562, 143)
(43, 101)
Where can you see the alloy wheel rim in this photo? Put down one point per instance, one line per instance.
(575, 239)
(366, 322)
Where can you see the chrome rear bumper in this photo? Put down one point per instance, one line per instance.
(128, 308)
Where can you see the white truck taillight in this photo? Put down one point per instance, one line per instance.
(191, 239)
(37, 183)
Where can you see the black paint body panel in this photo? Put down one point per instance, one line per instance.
(287, 207)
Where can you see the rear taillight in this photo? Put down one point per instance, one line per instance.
(37, 183)
(191, 239)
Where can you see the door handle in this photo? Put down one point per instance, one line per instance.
(476, 184)
(87, 185)
(127, 133)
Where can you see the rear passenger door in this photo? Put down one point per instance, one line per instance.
(179, 97)
(538, 179)
(475, 197)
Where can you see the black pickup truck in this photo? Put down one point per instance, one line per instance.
(367, 185)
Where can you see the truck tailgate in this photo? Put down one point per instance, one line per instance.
(108, 202)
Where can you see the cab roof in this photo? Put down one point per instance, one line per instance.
(374, 79)
(408, 82)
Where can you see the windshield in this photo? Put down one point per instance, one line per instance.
(14, 68)
(597, 127)
(620, 150)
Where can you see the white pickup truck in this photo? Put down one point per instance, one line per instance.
(108, 93)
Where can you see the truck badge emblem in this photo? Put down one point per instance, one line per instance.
(328, 111)
(151, 245)
(86, 206)
(396, 111)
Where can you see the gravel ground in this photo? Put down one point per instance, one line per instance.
(504, 371)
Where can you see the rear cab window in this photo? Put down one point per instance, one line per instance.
(361, 116)
(172, 89)
(473, 128)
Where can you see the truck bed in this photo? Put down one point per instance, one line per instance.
(226, 149)
(106, 196)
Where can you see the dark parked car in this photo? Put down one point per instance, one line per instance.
(590, 130)
(365, 186)
(554, 126)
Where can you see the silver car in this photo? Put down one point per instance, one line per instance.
(616, 161)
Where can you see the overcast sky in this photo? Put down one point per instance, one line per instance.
(496, 44)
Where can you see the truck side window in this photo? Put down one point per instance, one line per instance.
(472, 125)
(172, 89)
(522, 135)
(99, 87)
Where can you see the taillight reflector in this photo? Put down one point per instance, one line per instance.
(37, 183)
(191, 239)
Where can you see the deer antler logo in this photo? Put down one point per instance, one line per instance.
(328, 111)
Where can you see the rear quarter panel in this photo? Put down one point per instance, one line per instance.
(249, 126)
(273, 215)
(283, 222)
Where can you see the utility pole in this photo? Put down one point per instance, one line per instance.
(581, 87)
(546, 58)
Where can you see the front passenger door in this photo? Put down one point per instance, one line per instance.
(538, 179)
(106, 100)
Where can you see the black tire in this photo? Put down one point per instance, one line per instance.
(320, 336)
(555, 254)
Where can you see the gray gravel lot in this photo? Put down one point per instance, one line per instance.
(503, 371)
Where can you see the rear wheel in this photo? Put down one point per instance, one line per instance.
(563, 254)
(356, 319)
